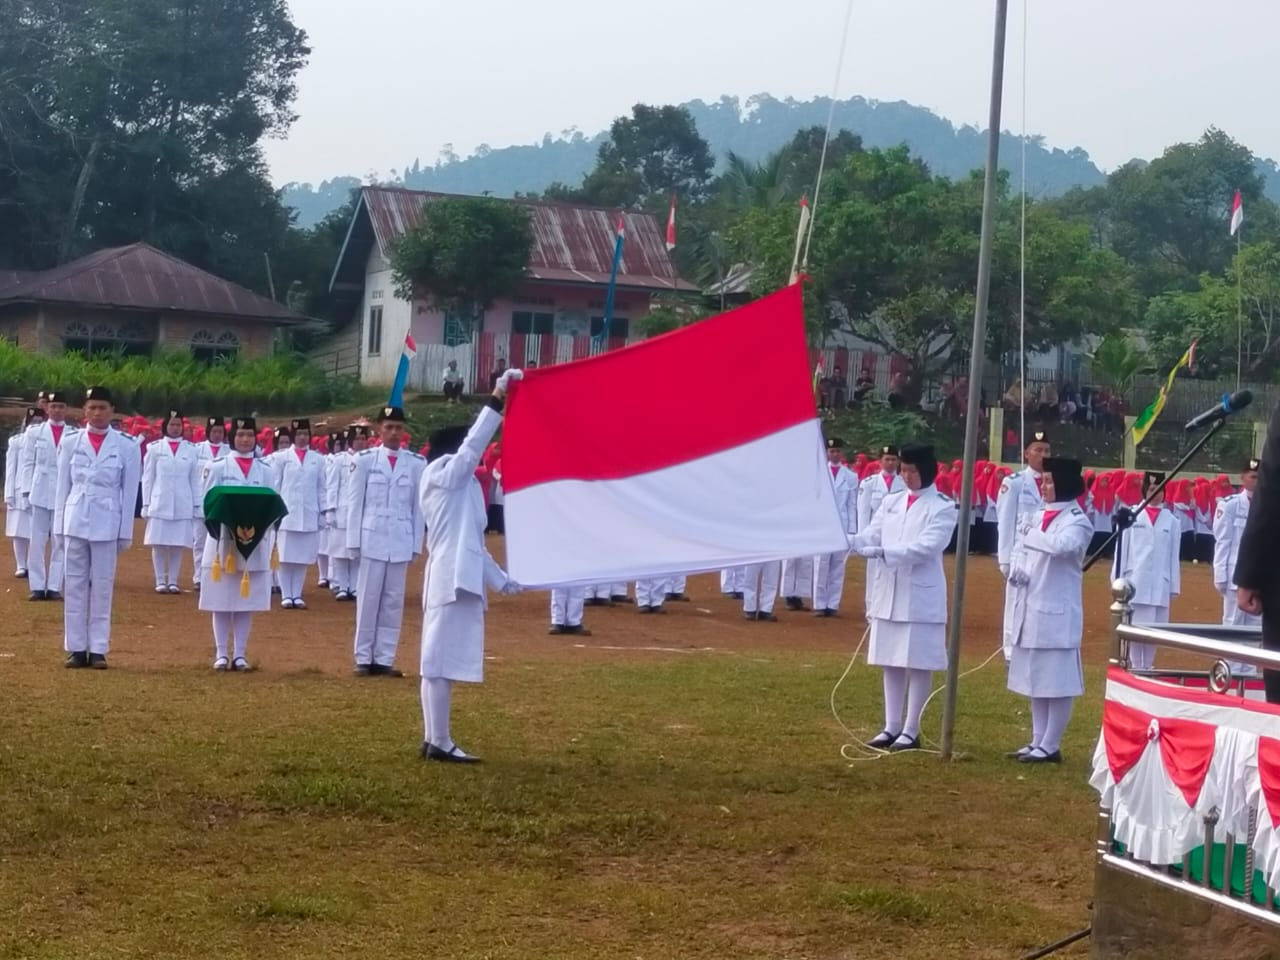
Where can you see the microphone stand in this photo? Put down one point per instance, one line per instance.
(1124, 516)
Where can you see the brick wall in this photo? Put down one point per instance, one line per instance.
(176, 331)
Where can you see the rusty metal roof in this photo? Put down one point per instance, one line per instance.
(140, 277)
(571, 243)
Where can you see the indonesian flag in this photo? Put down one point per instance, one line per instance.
(407, 353)
(1237, 214)
(671, 225)
(611, 476)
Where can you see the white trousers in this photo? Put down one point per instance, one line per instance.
(566, 606)
(619, 590)
(677, 585)
(601, 591)
(797, 577)
(322, 564)
(650, 593)
(167, 564)
(42, 575)
(760, 589)
(90, 584)
(379, 610)
(733, 580)
(21, 547)
(828, 580)
(340, 574)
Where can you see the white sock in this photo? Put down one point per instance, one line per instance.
(158, 560)
(1059, 715)
(242, 623)
(1039, 719)
(21, 547)
(919, 686)
(221, 633)
(895, 693)
(175, 564)
(437, 694)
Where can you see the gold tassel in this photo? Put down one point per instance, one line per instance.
(244, 585)
(275, 557)
(215, 571)
(230, 565)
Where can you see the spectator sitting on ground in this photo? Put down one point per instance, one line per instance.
(452, 382)
(864, 387)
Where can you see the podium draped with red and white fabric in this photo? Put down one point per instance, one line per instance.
(1169, 755)
(693, 451)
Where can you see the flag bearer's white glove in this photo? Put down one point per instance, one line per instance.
(504, 381)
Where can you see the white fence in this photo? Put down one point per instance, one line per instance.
(494, 351)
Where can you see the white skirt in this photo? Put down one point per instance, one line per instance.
(453, 640)
(167, 533)
(915, 646)
(1046, 673)
(17, 524)
(298, 547)
(224, 596)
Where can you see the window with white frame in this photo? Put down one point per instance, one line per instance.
(375, 331)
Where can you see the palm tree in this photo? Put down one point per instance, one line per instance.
(762, 185)
(1117, 360)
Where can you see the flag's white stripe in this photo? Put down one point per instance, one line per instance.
(1226, 714)
(765, 500)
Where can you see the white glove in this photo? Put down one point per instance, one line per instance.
(511, 588)
(504, 381)
(872, 553)
(1018, 578)
(1004, 570)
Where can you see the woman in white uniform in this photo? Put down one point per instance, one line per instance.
(233, 612)
(1147, 557)
(299, 479)
(171, 498)
(459, 571)
(1046, 578)
(17, 513)
(908, 608)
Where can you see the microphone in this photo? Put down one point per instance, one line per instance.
(1230, 403)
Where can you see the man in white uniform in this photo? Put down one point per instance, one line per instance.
(98, 470)
(459, 571)
(299, 478)
(828, 577)
(171, 498)
(872, 492)
(17, 510)
(212, 447)
(1229, 522)
(760, 590)
(38, 481)
(1147, 555)
(335, 460)
(566, 611)
(1019, 497)
(384, 531)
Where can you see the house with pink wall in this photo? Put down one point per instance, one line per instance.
(557, 314)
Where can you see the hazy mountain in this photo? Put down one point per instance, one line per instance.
(752, 129)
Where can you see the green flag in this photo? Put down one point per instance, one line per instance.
(1142, 424)
(247, 513)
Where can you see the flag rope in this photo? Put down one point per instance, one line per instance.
(826, 138)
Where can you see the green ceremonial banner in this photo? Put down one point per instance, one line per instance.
(246, 512)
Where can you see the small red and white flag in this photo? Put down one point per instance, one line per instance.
(1237, 214)
(804, 226)
(586, 503)
(410, 348)
(671, 225)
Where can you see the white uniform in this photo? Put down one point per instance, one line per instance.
(17, 512)
(871, 495)
(171, 501)
(299, 477)
(797, 578)
(1148, 552)
(459, 568)
(1228, 530)
(760, 587)
(385, 525)
(828, 575)
(566, 606)
(1018, 499)
(38, 482)
(95, 495)
(650, 594)
(733, 580)
(207, 452)
(333, 542)
(337, 486)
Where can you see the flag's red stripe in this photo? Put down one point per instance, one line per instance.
(708, 387)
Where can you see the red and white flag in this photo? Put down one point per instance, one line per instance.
(609, 476)
(671, 225)
(1237, 214)
(804, 226)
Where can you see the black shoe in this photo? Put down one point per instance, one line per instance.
(795, 603)
(323, 584)
(52, 595)
(825, 614)
(882, 740)
(594, 602)
(644, 609)
(22, 575)
(578, 631)
(383, 670)
(898, 746)
(623, 598)
(752, 616)
(766, 617)
(657, 609)
(98, 661)
(275, 592)
(678, 597)
(453, 755)
(736, 595)
(37, 595)
(364, 670)
(1019, 753)
(77, 660)
(556, 630)
(1039, 756)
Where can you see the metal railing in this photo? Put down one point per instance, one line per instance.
(1198, 872)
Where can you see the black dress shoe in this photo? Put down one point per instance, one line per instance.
(364, 670)
(98, 661)
(751, 616)
(882, 740)
(796, 604)
(645, 609)
(1019, 753)
(77, 660)
(453, 755)
(679, 597)
(383, 670)
(52, 595)
(736, 595)
(22, 575)
(620, 598)
(556, 630)
(901, 746)
(657, 609)
(1039, 756)
(578, 631)
(37, 595)
(766, 617)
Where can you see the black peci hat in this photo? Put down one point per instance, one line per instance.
(32, 414)
(1038, 436)
(215, 422)
(55, 396)
(244, 423)
(890, 451)
(1252, 465)
(835, 443)
(101, 394)
(391, 414)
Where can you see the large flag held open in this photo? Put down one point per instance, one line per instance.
(693, 451)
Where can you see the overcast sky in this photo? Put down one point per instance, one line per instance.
(391, 80)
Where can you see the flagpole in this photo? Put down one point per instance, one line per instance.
(977, 354)
(1239, 309)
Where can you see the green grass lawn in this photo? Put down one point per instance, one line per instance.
(695, 807)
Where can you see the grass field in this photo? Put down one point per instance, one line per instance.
(671, 787)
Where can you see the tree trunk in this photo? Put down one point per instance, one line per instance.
(77, 199)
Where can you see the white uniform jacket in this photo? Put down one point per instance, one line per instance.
(1149, 554)
(845, 483)
(1228, 528)
(39, 470)
(96, 492)
(1018, 499)
(12, 466)
(207, 452)
(911, 587)
(300, 483)
(226, 472)
(171, 481)
(872, 492)
(452, 504)
(1046, 578)
(383, 511)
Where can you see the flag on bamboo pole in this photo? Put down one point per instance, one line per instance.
(1148, 416)
(804, 225)
(817, 376)
(1237, 214)
(619, 237)
(671, 225)
(407, 353)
